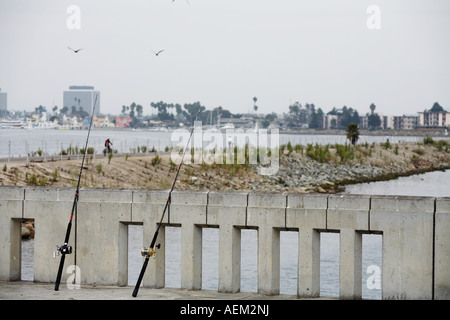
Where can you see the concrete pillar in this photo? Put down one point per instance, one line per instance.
(188, 208)
(102, 250)
(350, 215)
(307, 213)
(11, 203)
(147, 208)
(267, 212)
(228, 210)
(407, 226)
(50, 208)
(442, 250)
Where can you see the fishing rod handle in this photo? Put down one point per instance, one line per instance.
(141, 275)
(60, 269)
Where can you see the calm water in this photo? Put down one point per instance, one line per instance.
(20, 142)
(433, 184)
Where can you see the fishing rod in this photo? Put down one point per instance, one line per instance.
(65, 248)
(148, 252)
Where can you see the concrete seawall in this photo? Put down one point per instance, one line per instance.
(415, 245)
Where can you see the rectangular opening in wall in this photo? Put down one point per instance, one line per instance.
(288, 262)
(27, 250)
(210, 258)
(329, 264)
(173, 257)
(135, 259)
(249, 260)
(371, 266)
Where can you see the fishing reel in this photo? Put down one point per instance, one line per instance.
(64, 249)
(148, 252)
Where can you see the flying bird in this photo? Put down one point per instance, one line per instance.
(76, 51)
(157, 53)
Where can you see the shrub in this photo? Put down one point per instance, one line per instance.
(42, 180)
(33, 179)
(428, 140)
(156, 160)
(318, 153)
(345, 152)
(55, 175)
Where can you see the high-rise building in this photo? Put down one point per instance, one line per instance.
(3, 103)
(81, 98)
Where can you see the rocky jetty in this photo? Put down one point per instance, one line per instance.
(301, 169)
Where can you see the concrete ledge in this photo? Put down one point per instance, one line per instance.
(12, 193)
(442, 250)
(267, 200)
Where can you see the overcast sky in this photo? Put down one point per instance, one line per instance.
(225, 52)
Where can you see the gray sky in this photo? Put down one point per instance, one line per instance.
(225, 52)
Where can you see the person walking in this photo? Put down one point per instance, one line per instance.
(108, 143)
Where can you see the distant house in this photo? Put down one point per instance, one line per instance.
(430, 119)
(101, 122)
(405, 122)
(330, 121)
(123, 121)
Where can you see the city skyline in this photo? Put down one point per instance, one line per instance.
(225, 53)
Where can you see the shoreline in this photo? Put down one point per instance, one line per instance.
(322, 169)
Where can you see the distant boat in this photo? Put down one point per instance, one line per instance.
(229, 125)
(12, 124)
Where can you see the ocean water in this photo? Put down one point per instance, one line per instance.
(20, 142)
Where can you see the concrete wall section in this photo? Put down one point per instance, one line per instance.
(350, 215)
(50, 208)
(307, 214)
(407, 226)
(416, 244)
(189, 209)
(147, 209)
(102, 246)
(442, 250)
(229, 211)
(11, 213)
(267, 212)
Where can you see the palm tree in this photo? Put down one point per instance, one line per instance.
(353, 133)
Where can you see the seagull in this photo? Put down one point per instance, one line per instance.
(76, 51)
(157, 53)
